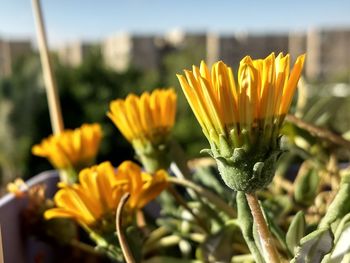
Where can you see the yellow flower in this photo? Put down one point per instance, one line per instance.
(71, 148)
(244, 115)
(146, 122)
(93, 201)
(143, 187)
(259, 100)
(18, 187)
(149, 117)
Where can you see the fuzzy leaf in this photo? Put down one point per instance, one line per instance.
(306, 186)
(314, 246)
(341, 244)
(218, 247)
(296, 231)
(170, 260)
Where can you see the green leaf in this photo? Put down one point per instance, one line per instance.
(135, 239)
(279, 205)
(209, 177)
(306, 185)
(340, 206)
(342, 247)
(296, 231)
(341, 244)
(218, 247)
(314, 246)
(170, 260)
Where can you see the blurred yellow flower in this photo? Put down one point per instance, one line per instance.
(17, 187)
(242, 119)
(143, 187)
(146, 122)
(259, 100)
(148, 118)
(71, 148)
(93, 201)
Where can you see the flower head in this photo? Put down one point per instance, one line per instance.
(242, 118)
(149, 117)
(93, 201)
(71, 148)
(146, 122)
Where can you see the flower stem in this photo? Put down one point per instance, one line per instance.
(246, 222)
(219, 203)
(265, 236)
(121, 237)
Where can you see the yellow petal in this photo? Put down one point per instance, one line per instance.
(289, 90)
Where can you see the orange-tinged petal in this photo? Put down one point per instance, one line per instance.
(289, 90)
(71, 148)
(152, 188)
(148, 118)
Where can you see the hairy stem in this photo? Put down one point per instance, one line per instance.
(264, 233)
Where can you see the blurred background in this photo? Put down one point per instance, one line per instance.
(103, 50)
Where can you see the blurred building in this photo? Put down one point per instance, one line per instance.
(232, 48)
(73, 54)
(328, 52)
(10, 52)
(123, 50)
(193, 44)
(297, 44)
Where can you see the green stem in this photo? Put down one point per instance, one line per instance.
(218, 202)
(246, 223)
(262, 228)
(84, 247)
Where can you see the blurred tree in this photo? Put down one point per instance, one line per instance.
(85, 92)
(187, 131)
(24, 94)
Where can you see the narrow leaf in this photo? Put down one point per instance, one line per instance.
(296, 231)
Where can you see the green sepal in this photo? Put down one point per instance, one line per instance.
(207, 151)
(234, 137)
(152, 157)
(247, 171)
(225, 148)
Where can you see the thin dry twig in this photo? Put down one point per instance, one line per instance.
(318, 131)
(1, 249)
(49, 78)
(121, 236)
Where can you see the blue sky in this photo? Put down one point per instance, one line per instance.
(69, 20)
